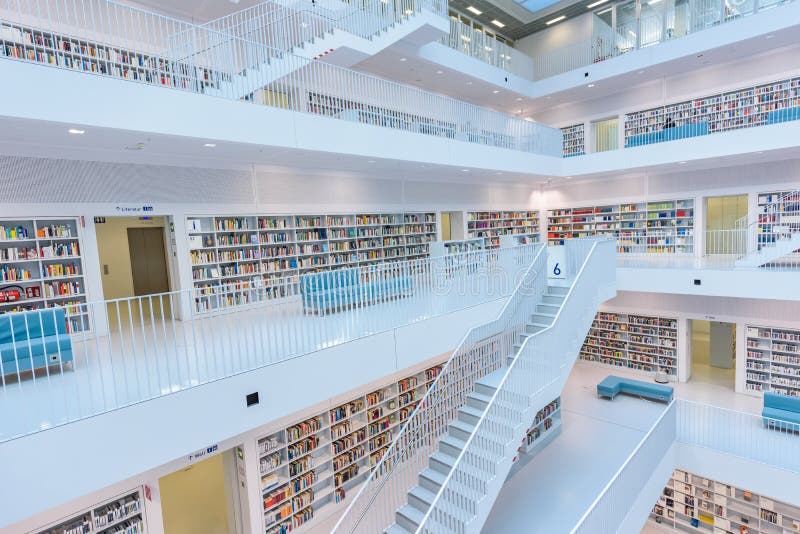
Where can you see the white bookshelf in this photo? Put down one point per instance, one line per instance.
(766, 222)
(490, 225)
(41, 258)
(457, 246)
(658, 227)
(638, 342)
(773, 360)
(324, 459)
(691, 503)
(545, 427)
(573, 140)
(231, 254)
(124, 514)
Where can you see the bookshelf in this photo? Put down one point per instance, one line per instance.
(691, 503)
(27, 43)
(767, 229)
(773, 360)
(457, 246)
(658, 227)
(316, 463)
(740, 108)
(638, 342)
(545, 427)
(231, 254)
(41, 258)
(573, 140)
(124, 514)
(490, 225)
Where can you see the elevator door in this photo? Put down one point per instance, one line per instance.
(148, 261)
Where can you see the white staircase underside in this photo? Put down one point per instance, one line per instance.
(769, 253)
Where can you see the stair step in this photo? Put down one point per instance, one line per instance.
(479, 400)
(470, 415)
(460, 429)
(553, 299)
(409, 517)
(397, 529)
(488, 384)
(451, 445)
(548, 308)
(532, 328)
(431, 479)
(420, 498)
(557, 290)
(441, 462)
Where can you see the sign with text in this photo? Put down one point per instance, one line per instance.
(133, 209)
(556, 261)
(202, 453)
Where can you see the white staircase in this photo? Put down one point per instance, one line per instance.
(444, 470)
(775, 234)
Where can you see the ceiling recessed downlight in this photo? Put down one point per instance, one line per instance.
(498, 23)
(519, 99)
(76, 131)
(474, 10)
(496, 91)
(557, 19)
(590, 85)
(403, 59)
(595, 4)
(210, 145)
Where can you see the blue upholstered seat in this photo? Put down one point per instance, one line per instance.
(781, 411)
(345, 288)
(34, 339)
(612, 385)
(693, 129)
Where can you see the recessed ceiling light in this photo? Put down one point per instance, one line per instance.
(464, 170)
(682, 163)
(519, 99)
(498, 23)
(371, 161)
(487, 48)
(595, 4)
(439, 72)
(498, 174)
(403, 59)
(590, 85)
(557, 19)
(770, 36)
(653, 2)
(474, 10)
(496, 91)
(606, 10)
(210, 145)
(568, 177)
(76, 131)
(469, 83)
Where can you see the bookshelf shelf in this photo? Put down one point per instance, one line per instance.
(773, 360)
(658, 227)
(490, 225)
(545, 427)
(691, 503)
(332, 452)
(637, 342)
(230, 254)
(122, 514)
(573, 140)
(41, 258)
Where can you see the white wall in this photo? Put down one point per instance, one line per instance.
(560, 35)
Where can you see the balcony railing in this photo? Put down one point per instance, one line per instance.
(104, 38)
(477, 44)
(141, 348)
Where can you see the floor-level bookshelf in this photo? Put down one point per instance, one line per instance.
(490, 225)
(691, 503)
(638, 342)
(545, 427)
(229, 254)
(41, 266)
(773, 360)
(123, 514)
(320, 461)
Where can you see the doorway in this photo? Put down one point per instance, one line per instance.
(713, 352)
(721, 216)
(148, 261)
(452, 225)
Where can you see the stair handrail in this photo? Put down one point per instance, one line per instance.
(523, 354)
(417, 432)
(756, 238)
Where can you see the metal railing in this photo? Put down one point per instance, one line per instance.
(744, 435)
(479, 45)
(660, 22)
(104, 38)
(481, 352)
(777, 222)
(119, 352)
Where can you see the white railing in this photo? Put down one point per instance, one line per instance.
(777, 221)
(661, 22)
(744, 435)
(481, 352)
(105, 38)
(544, 359)
(477, 44)
(125, 351)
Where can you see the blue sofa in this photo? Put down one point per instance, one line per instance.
(34, 339)
(668, 134)
(781, 412)
(611, 386)
(783, 115)
(346, 288)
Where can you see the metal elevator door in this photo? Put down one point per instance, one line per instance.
(148, 261)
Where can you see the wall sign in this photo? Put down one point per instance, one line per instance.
(202, 453)
(556, 261)
(133, 209)
(99, 220)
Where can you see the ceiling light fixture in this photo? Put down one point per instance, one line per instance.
(519, 99)
(469, 83)
(682, 163)
(210, 145)
(557, 19)
(371, 161)
(464, 170)
(590, 85)
(595, 4)
(653, 2)
(496, 91)
(76, 131)
(487, 48)
(498, 23)
(439, 72)
(403, 59)
(474, 10)
(606, 10)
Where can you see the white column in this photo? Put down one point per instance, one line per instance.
(684, 334)
(183, 280)
(93, 276)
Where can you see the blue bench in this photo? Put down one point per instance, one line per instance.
(611, 386)
(34, 339)
(783, 115)
(781, 412)
(347, 288)
(693, 129)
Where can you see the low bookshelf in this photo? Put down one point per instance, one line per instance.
(643, 343)
(773, 360)
(692, 503)
(545, 427)
(309, 468)
(124, 514)
(657, 227)
(457, 246)
(41, 266)
(490, 225)
(231, 254)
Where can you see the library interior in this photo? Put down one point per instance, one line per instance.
(400, 266)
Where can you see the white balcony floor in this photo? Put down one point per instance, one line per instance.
(144, 358)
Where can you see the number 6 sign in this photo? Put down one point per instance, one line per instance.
(556, 256)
